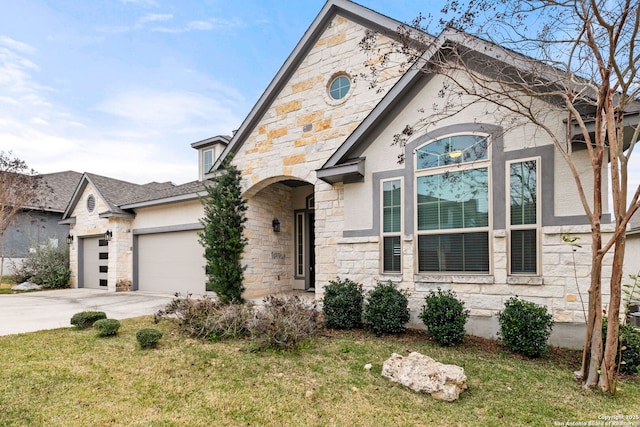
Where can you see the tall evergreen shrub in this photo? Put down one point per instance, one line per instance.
(224, 218)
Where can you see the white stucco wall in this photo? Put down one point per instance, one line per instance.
(168, 215)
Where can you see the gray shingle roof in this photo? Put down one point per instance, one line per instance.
(166, 192)
(56, 189)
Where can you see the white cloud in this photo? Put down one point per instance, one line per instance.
(167, 109)
(201, 25)
(16, 45)
(152, 3)
(155, 17)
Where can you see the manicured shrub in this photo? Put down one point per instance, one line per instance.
(206, 317)
(86, 319)
(386, 309)
(106, 327)
(148, 338)
(283, 323)
(629, 341)
(525, 327)
(444, 316)
(342, 304)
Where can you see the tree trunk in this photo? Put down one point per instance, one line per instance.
(608, 369)
(592, 355)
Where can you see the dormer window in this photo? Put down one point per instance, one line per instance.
(207, 161)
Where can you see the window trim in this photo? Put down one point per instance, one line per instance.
(537, 226)
(300, 264)
(399, 233)
(458, 167)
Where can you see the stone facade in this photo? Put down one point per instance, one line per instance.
(297, 134)
(89, 224)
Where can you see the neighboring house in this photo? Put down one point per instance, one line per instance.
(37, 223)
(146, 234)
(475, 207)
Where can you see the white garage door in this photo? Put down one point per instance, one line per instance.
(171, 262)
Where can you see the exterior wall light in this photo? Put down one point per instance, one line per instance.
(69, 239)
(108, 235)
(276, 225)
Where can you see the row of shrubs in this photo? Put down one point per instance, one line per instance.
(147, 338)
(283, 323)
(524, 326)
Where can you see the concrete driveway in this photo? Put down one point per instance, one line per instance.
(35, 311)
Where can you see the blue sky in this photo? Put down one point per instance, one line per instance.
(123, 87)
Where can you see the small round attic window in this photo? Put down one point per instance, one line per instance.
(91, 203)
(339, 87)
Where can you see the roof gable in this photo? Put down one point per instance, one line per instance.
(362, 15)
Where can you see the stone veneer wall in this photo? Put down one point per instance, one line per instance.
(565, 281)
(89, 224)
(298, 133)
(270, 263)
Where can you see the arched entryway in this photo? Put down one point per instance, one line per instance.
(280, 252)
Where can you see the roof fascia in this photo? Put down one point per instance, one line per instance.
(76, 196)
(331, 8)
(111, 214)
(348, 173)
(210, 141)
(164, 201)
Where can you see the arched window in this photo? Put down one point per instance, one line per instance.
(453, 206)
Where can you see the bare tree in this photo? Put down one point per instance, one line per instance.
(18, 190)
(530, 62)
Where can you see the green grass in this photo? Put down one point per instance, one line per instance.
(69, 377)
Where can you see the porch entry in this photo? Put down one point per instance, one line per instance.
(95, 260)
(305, 254)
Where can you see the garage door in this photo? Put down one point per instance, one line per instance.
(171, 262)
(95, 257)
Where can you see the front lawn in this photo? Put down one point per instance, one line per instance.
(69, 377)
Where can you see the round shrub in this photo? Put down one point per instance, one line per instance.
(444, 316)
(148, 338)
(106, 327)
(342, 304)
(86, 319)
(524, 327)
(629, 341)
(386, 309)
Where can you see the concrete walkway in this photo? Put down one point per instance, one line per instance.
(35, 311)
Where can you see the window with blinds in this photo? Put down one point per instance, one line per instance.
(523, 217)
(391, 226)
(452, 200)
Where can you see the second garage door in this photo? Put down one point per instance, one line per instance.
(171, 262)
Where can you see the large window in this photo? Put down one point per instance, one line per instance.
(391, 225)
(523, 217)
(452, 199)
